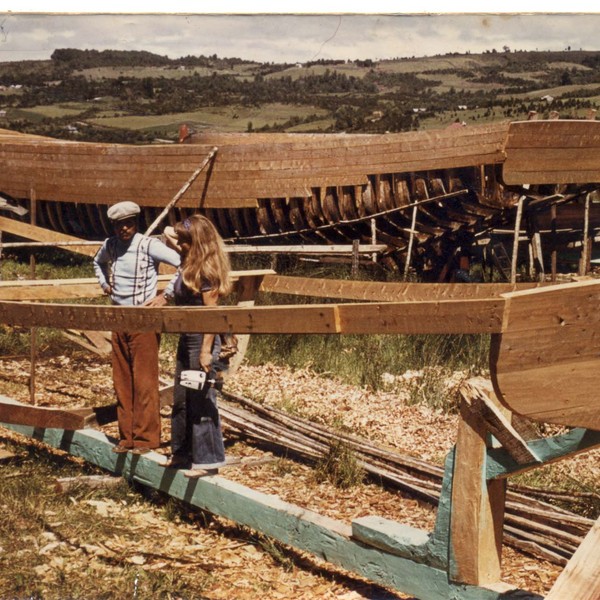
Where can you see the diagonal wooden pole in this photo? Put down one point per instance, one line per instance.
(182, 191)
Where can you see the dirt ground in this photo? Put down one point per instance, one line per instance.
(232, 563)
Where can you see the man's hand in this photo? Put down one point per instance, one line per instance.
(107, 290)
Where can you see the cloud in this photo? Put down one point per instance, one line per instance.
(293, 38)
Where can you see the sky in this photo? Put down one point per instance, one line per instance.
(30, 32)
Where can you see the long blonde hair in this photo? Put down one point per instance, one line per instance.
(206, 260)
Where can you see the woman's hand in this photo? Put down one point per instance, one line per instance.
(205, 359)
(156, 302)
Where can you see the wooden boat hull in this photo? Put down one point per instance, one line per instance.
(298, 188)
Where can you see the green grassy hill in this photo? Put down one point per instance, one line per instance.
(138, 96)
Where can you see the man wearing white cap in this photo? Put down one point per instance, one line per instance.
(127, 269)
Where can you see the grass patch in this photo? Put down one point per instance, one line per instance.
(582, 494)
(51, 263)
(56, 545)
(339, 467)
(228, 118)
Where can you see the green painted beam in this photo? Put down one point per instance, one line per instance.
(303, 529)
(575, 441)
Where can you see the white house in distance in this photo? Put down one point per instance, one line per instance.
(548, 98)
(2, 113)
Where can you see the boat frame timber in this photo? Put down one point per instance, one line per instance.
(461, 557)
(423, 194)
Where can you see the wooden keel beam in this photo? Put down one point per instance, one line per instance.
(300, 528)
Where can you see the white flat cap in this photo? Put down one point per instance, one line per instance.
(123, 210)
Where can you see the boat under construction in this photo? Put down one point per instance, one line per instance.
(428, 198)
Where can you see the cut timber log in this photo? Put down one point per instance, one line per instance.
(40, 416)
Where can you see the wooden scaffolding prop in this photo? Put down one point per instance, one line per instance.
(543, 360)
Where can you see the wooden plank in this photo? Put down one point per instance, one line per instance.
(544, 364)
(77, 339)
(15, 412)
(323, 249)
(382, 291)
(43, 235)
(580, 579)
(255, 163)
(53, 289)
(87, 172)
(459, 316)
(477, 507)
(298, 527)
(545, 152)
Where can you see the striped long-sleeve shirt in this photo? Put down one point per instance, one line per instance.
(131, 269)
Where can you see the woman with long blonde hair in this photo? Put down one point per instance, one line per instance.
(202, 278)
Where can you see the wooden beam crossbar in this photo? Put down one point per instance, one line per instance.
(447, 316)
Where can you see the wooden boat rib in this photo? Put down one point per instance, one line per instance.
(311, 187)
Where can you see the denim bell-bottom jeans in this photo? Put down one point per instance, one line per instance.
(195, 422)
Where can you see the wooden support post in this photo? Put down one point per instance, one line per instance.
(355, 258)
(477, 507)
(585, 251)
(33, 330)
(413, 224)
(554, 241)
(247, 289)
(374, 238)
(513, 268)
(535, 249)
